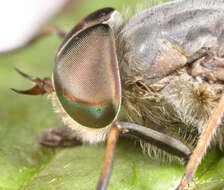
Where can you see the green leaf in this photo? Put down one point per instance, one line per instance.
(25, 165)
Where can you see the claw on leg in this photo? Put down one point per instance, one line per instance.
(41, 86)
(202, 144)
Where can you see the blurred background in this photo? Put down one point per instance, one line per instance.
(24, 165)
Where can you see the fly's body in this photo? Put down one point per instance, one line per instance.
(171, 60)
(159, 87)
(157, 77)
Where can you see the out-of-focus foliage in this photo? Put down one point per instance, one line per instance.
(24, 165)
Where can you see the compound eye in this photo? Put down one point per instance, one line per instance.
(86, 77)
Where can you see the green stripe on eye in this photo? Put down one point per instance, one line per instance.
(87, 115)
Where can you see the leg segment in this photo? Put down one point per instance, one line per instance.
(58, 137)
(202, 144)
(53, 29)
(208, 63)
(161, 140)
(108, 158)
(41, 86)
(48, 31)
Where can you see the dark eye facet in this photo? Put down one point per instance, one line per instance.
(86, 77)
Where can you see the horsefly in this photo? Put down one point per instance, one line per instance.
(163, 67)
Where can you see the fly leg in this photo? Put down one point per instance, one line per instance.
(161, 140)
(203, 143)
(41, 86)
(53, 30)
(108, 157)
(211, 68)
(58, 137)
(62, 136)
(48, 31)
(208, 64)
